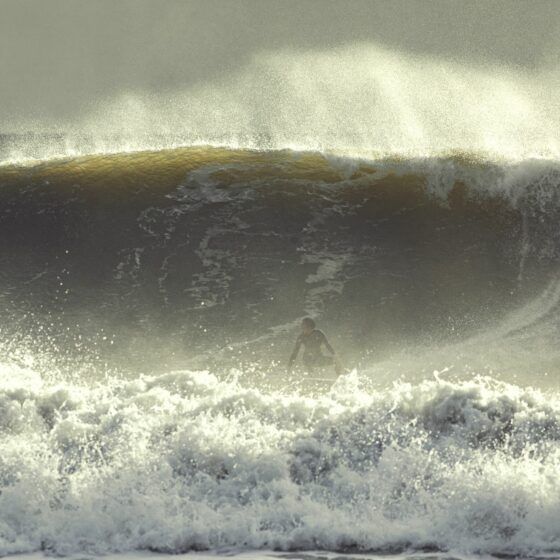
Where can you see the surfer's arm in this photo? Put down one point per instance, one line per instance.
(328, 346)
(295, 352)
(338, 367)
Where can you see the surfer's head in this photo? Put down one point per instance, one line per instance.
(307, 325)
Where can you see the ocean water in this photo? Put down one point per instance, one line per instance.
(150, 301)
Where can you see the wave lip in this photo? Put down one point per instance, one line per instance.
(187, 462)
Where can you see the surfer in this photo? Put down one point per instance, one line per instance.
(313, 340)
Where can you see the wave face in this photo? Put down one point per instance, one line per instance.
(186, 462)
(210, 256)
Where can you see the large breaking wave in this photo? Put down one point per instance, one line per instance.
(405, 194)
(201, 262)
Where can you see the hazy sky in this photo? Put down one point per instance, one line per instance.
(59, 56)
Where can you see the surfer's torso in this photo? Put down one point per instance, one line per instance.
(312, 344)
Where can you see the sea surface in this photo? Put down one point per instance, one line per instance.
(150, 300)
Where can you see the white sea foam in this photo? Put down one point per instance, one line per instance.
(267, 555)
(185, 461)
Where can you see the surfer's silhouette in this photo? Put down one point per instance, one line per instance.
(313, 340)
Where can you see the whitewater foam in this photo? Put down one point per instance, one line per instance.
(185, 461)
